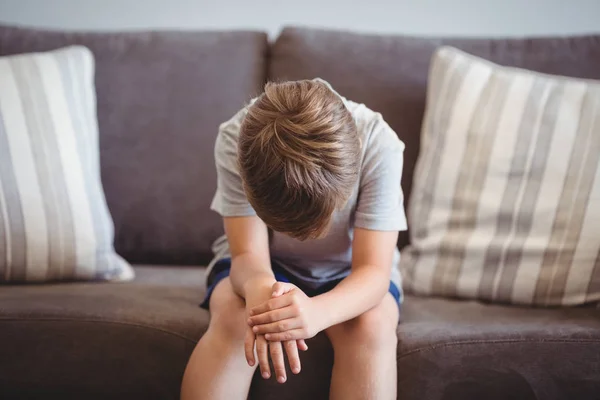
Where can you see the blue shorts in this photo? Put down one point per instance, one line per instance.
(222, 268)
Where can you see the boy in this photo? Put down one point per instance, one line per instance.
(309, 190)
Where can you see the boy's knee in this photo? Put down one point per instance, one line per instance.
(375, 329)
(230, 325)
(228, 314)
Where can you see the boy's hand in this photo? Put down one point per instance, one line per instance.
(256, 296)
(290, 315)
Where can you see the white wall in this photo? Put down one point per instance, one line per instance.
(419, 17)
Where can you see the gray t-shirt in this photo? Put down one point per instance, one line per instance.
(376, 203)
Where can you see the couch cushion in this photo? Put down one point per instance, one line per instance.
(389, 73)
(450, 349)
(514, 217)
(99, 341)
(54, 223)
(161, 97)
(132, 341)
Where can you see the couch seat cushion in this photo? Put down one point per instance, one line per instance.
(98, 341)
(450, 349)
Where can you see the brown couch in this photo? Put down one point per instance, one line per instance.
(161, 96)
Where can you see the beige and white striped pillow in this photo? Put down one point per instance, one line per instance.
(506, 203)
(54, 222)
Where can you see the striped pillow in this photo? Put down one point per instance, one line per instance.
(54, 222)
(506, 204)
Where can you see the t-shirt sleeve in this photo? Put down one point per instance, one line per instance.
(381, 201)
(230, 199)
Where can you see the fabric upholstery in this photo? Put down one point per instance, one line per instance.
(98, 341)
(161, 97)
(54, 223)
(132, 341)
(389, 73)
(463, 350)
(506, 201)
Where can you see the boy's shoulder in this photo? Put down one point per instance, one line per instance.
(375, 133)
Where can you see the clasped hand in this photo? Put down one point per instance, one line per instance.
(287, 318)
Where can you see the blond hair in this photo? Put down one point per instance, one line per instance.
(299, 157)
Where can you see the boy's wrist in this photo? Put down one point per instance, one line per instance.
(326, 309)
(262, 282)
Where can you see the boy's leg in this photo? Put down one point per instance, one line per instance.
(365, 354)
(217, 368)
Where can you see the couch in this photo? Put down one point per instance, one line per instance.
(161, 96)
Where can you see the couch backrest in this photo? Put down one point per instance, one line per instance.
(161, 97)
(389, 73)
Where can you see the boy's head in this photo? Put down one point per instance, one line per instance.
(299, 157)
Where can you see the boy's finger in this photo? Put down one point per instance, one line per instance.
(249, 347)
(294, 334)
(291, 349)
(272, 316)
(281, 288)
(273, 304)
(279, 326)
(302, 345)
(278, 289)
(278, 362)
(262, 351)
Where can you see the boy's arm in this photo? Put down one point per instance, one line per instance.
(369, 279)
(250, 262)
(252, 278)
(296, 316)
(246, 233)
(378, 218)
